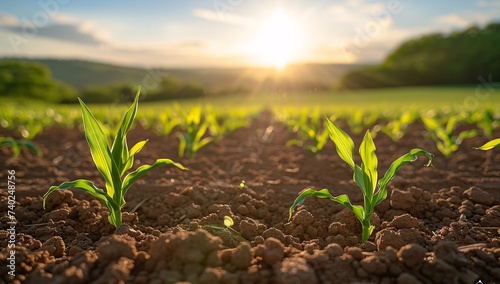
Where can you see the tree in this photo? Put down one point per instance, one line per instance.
(457, 58)
(19, 79)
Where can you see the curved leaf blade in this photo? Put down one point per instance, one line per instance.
(394, 168)
(343, 143)
(99, 148)
(489, 145)
(370, 163)
(324, 193)
(135, 149)
(119, 149)
(86, 186)
(142, 170)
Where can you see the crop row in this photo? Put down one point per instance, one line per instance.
(194, 127)
(197, 126)
(445, 128)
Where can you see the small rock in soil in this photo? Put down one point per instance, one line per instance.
(402, 200)
(411, 254)
(115, 247)
(478, 195)
(55, 246)
(295, 271)
(271, 252)
(404, 221)
(242, 256)
(389, 238)
(406, 278)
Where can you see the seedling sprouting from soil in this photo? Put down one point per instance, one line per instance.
(365, 176)
(191, 140)
(308, 127)
(442, 135)
(112, 162)
(17, 145)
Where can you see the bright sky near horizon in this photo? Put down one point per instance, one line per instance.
(228, 33)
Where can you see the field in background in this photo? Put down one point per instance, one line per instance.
(382, 100)
(378, 100)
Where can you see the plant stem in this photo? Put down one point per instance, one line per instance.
(366, 231)
(115, 218)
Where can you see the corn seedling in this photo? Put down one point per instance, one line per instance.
(442, 135)
(112, 162)
(365, 176)
(17, 145)
(192, 140)
(220, 127)
(230, 236)
(167, 122)
(397, 128)
(310, 132)
(361, 120)
(486, 120)
(490, 145)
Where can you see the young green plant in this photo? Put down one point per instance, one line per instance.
(443, 136)
(365, 176)
(17, 145)
(192, 140)
(311, 136)
(397, 128)
(112, 162)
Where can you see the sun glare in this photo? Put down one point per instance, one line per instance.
(278, 40)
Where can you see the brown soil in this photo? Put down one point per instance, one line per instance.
(438, 224)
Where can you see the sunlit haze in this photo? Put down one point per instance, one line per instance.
(223, 33)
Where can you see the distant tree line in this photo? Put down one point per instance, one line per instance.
(169, 88)
(21, 79)
(456, 58)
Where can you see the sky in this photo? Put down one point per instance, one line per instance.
(228, 33)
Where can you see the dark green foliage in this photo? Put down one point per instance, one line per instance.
(19, 79)
(457, 58)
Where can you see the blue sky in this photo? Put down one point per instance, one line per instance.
(227, 33)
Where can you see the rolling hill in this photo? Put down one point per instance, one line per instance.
(82, 74)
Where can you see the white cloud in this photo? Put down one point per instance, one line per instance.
(356, 12)
(450, 22)
(59, 27)
(488, 4)
(8, 20)
(453, 20)
(223, 18)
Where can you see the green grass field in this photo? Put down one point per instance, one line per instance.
(378, 100)
(373, 100)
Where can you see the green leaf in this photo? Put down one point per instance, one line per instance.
(294, 142)
(490, 145)
(452, 123)
(324, 193)
(182, 143)
(359, 178)
(202, 143)
(394, 168)
(32, 148)
(343, 143)
(119, 150)
(99, 149)
(322, 139)
(466, 135)
(370, 163)
(88, 187)
(135, 149)
(142, 170)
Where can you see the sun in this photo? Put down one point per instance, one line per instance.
(278, 39)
